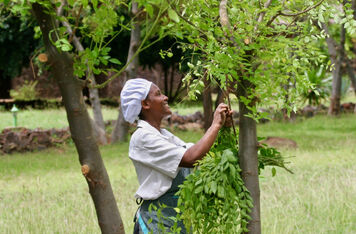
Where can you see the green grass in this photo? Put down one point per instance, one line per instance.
(51, 118)
(57, 118)
(44, 192)
(320, 196)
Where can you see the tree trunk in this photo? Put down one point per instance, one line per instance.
(207, 104)
(351, 73)
(81, 130)
(220, 97)
(95, 102)
(121, 128)
(248, 157)
(336, 57)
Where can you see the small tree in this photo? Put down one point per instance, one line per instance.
(338, 23)
(70, 70)
(254, 48)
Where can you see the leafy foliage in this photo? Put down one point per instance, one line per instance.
(214, 198)
(320, 89)
(259, 44)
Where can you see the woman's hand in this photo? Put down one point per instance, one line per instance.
(220, 115)
(197, 151)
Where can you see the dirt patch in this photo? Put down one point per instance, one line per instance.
(23, 139)
(279, 142)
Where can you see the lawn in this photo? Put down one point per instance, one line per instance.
(44, 192)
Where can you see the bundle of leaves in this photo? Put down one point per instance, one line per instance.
(268, 156)
(214, 198)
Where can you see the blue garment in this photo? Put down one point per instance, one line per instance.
(149, 222)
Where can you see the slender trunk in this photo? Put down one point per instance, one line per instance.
(351, 73)
(121, 128)
(336, 56)
(165, 71)
(80, 127)
(178, 89)
(207, 104)
(170, 97)
(248, 156)
(95, 102)
(247, 135)
(220, 97)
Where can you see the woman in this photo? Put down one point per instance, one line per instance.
(161, 160)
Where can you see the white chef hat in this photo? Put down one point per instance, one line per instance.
(133, 92)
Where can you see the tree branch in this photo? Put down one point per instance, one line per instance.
(187, 21)
(140, 48)
(61, 8)
(279, 13)
(262, 14)
(224, 19)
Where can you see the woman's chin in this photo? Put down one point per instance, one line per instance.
(168, 112)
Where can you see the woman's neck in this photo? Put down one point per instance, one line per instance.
(154, 122)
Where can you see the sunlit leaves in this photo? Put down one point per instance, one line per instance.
(214, 198)
(99, 25)
(173, 15)
(271, 55)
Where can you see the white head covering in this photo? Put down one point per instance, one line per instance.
(133, 92)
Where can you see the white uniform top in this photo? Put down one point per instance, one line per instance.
(156, 156)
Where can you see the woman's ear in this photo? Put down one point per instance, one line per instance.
(145, 104)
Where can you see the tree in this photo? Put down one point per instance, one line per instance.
(79, 122)
(70, 70)
(338, 23)
(253, 48)
(121, 127)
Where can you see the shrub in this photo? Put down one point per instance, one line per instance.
(26, 92)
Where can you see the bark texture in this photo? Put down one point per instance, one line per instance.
(336, 57)
(95, 102)
(248, 157)
(80, 127)
(351, 73)
(207, 104)
(121, 128)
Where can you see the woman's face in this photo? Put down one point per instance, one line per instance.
(158, 102)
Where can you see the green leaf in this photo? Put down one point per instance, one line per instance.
(198, 182)
(213, 187)
(115, 61)
(149, 10)
(177, 209)
(198, 189)
(273, 171)
(173, 15)
(190, 65)
(221, 191)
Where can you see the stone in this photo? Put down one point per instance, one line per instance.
(279, 142)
